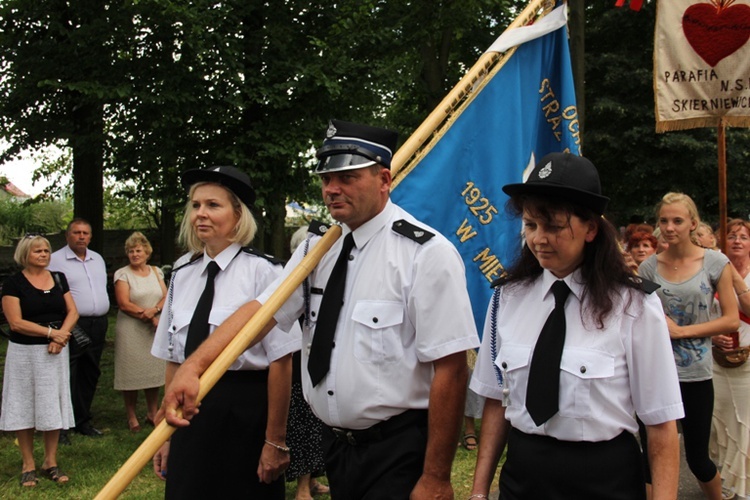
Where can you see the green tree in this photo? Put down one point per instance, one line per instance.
(237, 83)
(144, 90)
(32, 216)
(252, 84)
(59, 73)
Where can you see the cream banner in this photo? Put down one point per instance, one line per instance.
(702, 63)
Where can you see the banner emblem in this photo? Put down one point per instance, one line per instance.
(702, 64)
(716, 30)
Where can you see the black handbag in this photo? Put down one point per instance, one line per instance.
(79, 334)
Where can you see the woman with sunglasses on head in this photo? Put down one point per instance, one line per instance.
(235, 447)
(36, 385)
(690, 276)
(572, 344)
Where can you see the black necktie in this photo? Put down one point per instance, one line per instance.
(543, 391)
(328, 316)
(198, 329)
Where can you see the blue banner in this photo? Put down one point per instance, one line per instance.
(528, 109)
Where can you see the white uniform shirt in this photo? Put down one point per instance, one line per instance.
(241, 278)
(87, 279)
(405, 306)
(606, 375)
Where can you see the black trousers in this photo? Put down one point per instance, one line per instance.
(698, 401)
(540, 467)
(217, 455)
(386, 464)
(84, 366)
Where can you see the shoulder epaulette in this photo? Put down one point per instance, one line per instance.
(498, 282)
(415, 233)
(193, 259)
(647, 286)
(317, 227)
(270, 258)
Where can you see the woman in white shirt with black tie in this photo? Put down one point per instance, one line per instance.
(241, 428)
(577, 439)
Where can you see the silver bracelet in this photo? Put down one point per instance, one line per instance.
(285, 449)
(743, 292)
(477, 495)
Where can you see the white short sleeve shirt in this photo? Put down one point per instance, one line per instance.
(608, 375)
(405, 306)
(242, 277)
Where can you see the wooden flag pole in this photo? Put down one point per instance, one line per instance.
(221, 364)
(451, 101)
(721, 140)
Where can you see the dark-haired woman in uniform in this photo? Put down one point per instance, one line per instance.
(573, 348)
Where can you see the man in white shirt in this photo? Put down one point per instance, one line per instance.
(86, 273)
(392, 384)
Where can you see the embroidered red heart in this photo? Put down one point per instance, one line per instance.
(716, 30)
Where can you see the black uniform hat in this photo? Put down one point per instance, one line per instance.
(348, 146)
(567, 176)
(231, 178)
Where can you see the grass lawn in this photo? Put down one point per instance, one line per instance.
(91, 462)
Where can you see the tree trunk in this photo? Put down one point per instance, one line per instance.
(167, 235)
(276, 242)
(577, 23)
(87, 144)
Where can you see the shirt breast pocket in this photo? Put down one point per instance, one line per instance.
(315, 300)
(219, 314)
(178, 330)
(511, 360)
(376, 331)
(580, 371)
(180, 320)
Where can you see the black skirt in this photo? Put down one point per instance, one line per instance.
(544, 467)
(217, 455)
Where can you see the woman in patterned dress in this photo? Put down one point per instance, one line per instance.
(140, 294)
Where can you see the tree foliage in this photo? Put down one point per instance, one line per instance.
(60, 72)
(143, 90)
(26, 216)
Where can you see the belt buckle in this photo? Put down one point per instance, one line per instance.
(344, 435)
(350, 438)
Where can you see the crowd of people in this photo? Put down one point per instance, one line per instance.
(362, 375)
(706, 299)
(57, 308)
